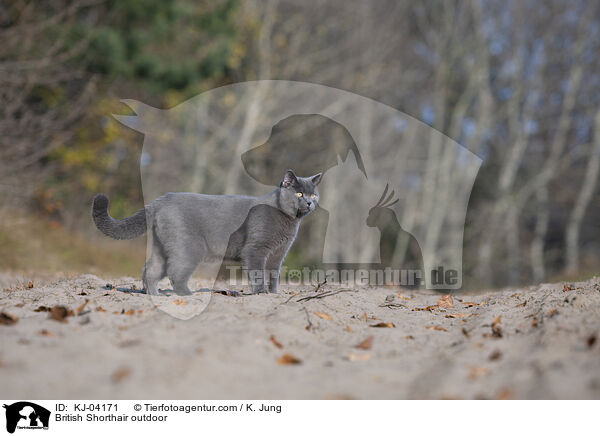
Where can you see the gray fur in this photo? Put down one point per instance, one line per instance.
(189, 229)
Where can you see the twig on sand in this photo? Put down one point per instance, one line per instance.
(324, 282)
(309, 326)
(393, 305)
(325, 294)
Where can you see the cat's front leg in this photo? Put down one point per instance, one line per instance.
(273, 269)
(255, 265)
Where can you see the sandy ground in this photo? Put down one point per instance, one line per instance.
(538, 342)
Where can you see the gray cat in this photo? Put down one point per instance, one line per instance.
(190, 229)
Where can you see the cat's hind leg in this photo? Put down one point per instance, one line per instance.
(180, 267)
(154, 269)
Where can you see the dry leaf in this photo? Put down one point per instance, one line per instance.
(469, 303)
(496, 329)
(30, 285)
(523, 304)
(534, 321)
(457, 315)
(80, 308)
(358, 357)
(436, 327)
(552, 312)
(179, 302)
(6, 319)
(275, 342)
(402, 296)
(478, 371)
(567, 288)
(288, 359)
(497, 354)
(323, 315)
(45, 332)
(120, 374)
(129, 312)
(366, 344)
(383, 325)
(42, 309)
(348, 329)
(466, 332)
(100, 309)
(446, 301)
(60, 313)
(409, 337)
(505, 394)
(591, 340)
(364, 316)
(429, 308)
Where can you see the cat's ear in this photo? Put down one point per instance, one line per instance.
(289, 178)
(316, 179)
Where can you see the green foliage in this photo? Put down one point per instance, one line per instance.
(163, 44)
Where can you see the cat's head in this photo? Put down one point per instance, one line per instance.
(299, 196)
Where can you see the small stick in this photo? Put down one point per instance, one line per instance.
(309, 326)
(321, 284)
(325, 294)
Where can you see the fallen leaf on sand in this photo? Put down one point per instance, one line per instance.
(436, 327)
(348, 329)
(45, 332)
(129, 312)
(457, 315)
(275, 342)
(120, 374)
(478, 371)
(446, 301)
(466, 332)
(591, 340)
(179, 302)
(60, 313)
(383, 325)
(323, 315)
(534, 321)
(497, 354)
(42, 309)
(354, 357)
(402, 296)
(552, 312)
(409, 337)
(100, 309)
(471, 303)
(366, 344)
(505, 394)
(567, 288)
(82, 307)
(496, 329)
(429, 308)
(288, 359)
(30, 285)
(523, 304)
(6, 319)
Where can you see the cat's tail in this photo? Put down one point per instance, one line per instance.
(126, 228)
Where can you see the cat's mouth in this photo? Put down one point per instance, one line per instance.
(301, 213)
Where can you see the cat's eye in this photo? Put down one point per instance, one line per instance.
(313, 196)
(298, 194)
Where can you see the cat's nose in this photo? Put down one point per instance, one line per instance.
(308, 203)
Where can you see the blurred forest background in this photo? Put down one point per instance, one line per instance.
(515, 81)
